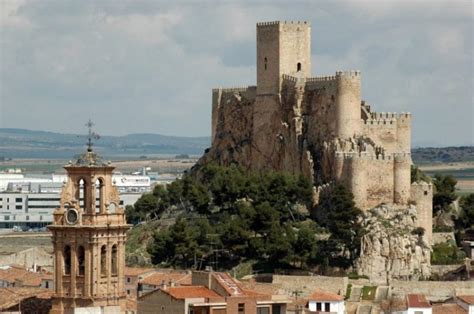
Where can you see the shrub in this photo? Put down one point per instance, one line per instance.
(446, 254)
(419, 231)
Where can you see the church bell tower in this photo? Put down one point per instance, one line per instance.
(89, 233)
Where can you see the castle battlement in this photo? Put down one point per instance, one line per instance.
(320, 78)
(233, 89)
(271, 23)
(350, 73)
(290, 78)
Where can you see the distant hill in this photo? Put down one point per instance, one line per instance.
(21, 143)
(442, 154)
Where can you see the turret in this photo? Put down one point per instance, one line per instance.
(348, 100)
(401, 178)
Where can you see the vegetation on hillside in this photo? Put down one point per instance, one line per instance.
(229, 217)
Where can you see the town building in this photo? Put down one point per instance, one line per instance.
(89, 232)
(466, 302)
(321, 301)
(211, 292)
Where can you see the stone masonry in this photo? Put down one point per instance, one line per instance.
(315, 126)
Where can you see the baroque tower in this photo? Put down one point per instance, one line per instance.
(89, 233)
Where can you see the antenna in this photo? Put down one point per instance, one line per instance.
(91, 135)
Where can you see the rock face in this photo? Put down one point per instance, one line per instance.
(390, 250)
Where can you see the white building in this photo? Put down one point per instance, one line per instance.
(29, 202)
(326, 302)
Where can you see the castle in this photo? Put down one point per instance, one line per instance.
(315, 126)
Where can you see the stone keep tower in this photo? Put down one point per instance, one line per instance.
(89, 233)
(282, 48)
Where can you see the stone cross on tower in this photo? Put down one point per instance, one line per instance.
(89, 233)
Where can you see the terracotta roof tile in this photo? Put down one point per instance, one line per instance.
(417, 301)
(469, 299)
(448, 309)
(160, 278)
(321, 295)
(186, 292)
(13, 273)
(12, 296)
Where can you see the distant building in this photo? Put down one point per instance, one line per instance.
(466, 302)
(133, 276)
(28, 202)
(415, 304)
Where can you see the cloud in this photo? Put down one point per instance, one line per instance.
(149, 66)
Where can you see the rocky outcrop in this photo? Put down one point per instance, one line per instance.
(390, 249)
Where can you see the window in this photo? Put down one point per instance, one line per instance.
(298, 67)
(265, 62)
(426, 192)
(326, 307)
(7, 217)
(241, 309)
(103, 260)
(263, 310)
(67, 260)
(318, 306)
(18, 199)
(19, 206)
(128, 280)
(114, 259)
(27, 217)
(128, 292)
(276, 309)
(47, 284)
(81, 260)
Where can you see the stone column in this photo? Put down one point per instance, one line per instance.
(87, 270)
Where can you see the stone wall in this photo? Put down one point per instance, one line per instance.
(421, 195)
(308, 284)
(432, 289)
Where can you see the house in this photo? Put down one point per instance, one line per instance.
(162, 280)
(466, 302)
(210, 292)
(19, 276)
(325, 302)
(133, 276)
(25, 300)
(415, 304)
(448, 308)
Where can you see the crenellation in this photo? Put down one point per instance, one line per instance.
(233, 89)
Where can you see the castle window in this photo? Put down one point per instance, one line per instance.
(81, 260)
(426, 192)
(82, 193)
(266, 62)
(298, 67)
(67, 260)
(103, 261)
(114, 259)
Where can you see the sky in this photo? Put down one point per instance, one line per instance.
(149, 66)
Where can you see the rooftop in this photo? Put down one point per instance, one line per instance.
(164, 278)
(417, 301)
(448, 309)
(12, 296)
(321, 295)
(13, 273)
(185, 292)
(469, 299)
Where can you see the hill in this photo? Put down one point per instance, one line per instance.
(21, 143)
(442, 154)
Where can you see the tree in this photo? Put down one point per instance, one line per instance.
(337, 212)
(466, 218)
(444, 192)
(417, 175)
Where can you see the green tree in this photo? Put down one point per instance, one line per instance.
(418, 175)
(337, 212)
(466, 218)
(444, 192)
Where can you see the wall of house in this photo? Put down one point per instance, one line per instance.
(160, 303)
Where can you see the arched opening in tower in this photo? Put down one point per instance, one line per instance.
(298, 67)
(114, 260)
(81, 263)
(82, 193)
(99, 192)
(67, 260)
(103, 261)
(265, 63)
